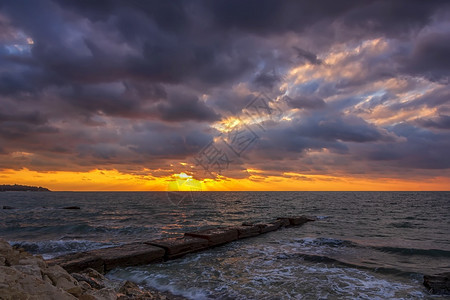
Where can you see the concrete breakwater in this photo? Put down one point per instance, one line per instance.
(133, 254)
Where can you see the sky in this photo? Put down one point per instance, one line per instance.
(225, 95)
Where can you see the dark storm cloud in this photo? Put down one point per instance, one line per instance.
(182, 107)
(441, 122)
(429, 57)
(306, 102)
(35, 118)
(421, 149)
(309, 56)
(128, 82)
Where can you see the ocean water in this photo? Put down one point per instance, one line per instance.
(364, 245)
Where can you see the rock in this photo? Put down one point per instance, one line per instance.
(130, 289)
(87, 297)
(93, 282)
(84, 285)
(284, 222)
(71, 207)
(129, 255)
(33, 260)
(438, 284)
(94, 274)
(104, 260)
(60, 278)
(33, 270)
(76, 291)
(8, 207)
(18, 285)
(28, 277)
(177, 247)
(102, 294)
(295, 221)
(268, 227)
(216, 236)
(78, 262)
(246, 231)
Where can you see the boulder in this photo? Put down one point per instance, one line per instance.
(93, 282)
(438, 284)
(60, 278)
(177, 247)
(17, 285)
(216, 236)
(24, 276)
(128, 255)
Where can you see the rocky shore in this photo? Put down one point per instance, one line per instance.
(24, 276)
(80, 275)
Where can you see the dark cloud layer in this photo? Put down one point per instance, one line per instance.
(133, 83)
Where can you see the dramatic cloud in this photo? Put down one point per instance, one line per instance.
(361, 86)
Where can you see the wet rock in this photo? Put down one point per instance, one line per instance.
(284, 222)
(295, 221)
(78, 262)
(131, 290)
(17, 285)
(60, 278)
(128, 255)
(91, 281)
(24, 276)
(177, 247)
(216, 236)
(268, 227)
(248, 230)
(438, 284)
(94, 274)
(71, 207)
(103, 294)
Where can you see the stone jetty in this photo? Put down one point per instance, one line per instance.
(106, 259)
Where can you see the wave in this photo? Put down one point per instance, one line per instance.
(331, 242)
(414, 251)
(53, 248)
(316, 258)
(78, 229)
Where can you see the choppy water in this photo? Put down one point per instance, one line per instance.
(365, 245)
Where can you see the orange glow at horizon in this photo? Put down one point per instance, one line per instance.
(113, 180)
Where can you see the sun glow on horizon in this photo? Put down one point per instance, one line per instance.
(113, 180)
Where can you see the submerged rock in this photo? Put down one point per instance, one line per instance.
(438, 284)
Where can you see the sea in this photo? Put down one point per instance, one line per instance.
(363, 245)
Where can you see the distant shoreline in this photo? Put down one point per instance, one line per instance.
(22, 188)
